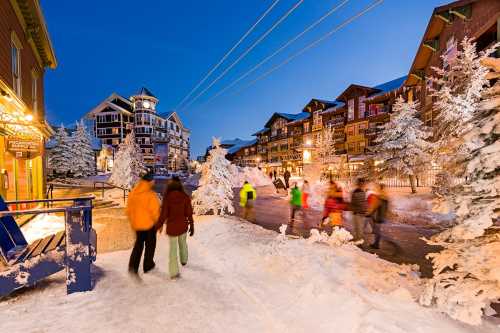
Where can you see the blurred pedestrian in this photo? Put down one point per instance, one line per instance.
(143, 210)
(271, 174)
(247, 198)
(287, 176)
(358, 207)
(333, 206)
(177, 213)
(377, 209)
(305, 194)
(275, 174)
(295, 201)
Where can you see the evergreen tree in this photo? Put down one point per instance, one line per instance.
(84, 162)
(401, 146)
(61, 156)
(215, 192)
(128, 165)
(325, 147)
(458, 93)
(466, 273)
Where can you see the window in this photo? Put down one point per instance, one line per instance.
(350, 130)
(115, 142)
(361, 107)
(361, 128)
(350, 109)
(16, 64)
(34, 91)
(306, 127)
(115, 130)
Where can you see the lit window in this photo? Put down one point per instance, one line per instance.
(350, 109)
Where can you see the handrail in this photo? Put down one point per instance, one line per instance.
(40, 211)
(91, 197)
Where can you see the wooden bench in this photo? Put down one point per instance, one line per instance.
(74, 248)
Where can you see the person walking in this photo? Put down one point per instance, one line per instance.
(333, 207)
(295, 201)
(287, 176)
(377, 208)
(305, 194)
(177, 214)
(143, 210)
(275, 174)
(271, 175)
(248, 195)
(358, 207)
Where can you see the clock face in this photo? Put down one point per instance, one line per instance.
(146, 104)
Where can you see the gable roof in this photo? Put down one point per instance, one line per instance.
(287, 116)
(434, 28)
(389, 86)
(262, 131)
(314, 101)
(173, 116)
(343, 96)
(115, 102)
(242, 144)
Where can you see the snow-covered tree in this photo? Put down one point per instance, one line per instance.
(325, 147)
(61, 155)
(466, 273)
(457, 92)
(84, 162)
(215, 192)
(128, 164)
(402, 145)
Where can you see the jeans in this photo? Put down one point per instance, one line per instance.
(294, 210)
(143, 238)
(248, 212)
(177, 242)
(377, 232)
(359, 226)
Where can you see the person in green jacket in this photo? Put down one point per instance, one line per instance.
(295, 201)
(247, 198)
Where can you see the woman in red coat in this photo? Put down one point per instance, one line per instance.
(177, 212)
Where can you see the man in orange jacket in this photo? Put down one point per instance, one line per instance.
(143, 211)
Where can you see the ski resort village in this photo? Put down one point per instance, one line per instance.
(250, 166)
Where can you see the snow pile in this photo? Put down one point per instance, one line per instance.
(252, 175)
(339, 237)
(233, 283)
(41, 226)
(115, 195)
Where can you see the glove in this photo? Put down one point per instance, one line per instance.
(191, 229)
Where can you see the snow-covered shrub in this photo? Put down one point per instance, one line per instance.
(253, 175)
(339, 237)
(402, 147)
(467, 272)
(215, 192)
(128, 165)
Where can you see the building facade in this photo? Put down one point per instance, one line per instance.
(163, 139)
(25, 53)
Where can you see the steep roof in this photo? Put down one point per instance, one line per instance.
(242, 144)
(389, 86)
(145, 92)
(262, 131)
(287, 116)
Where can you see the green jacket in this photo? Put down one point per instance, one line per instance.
(244, 194)
(296, 198)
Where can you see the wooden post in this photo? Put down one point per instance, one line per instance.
(80, 246)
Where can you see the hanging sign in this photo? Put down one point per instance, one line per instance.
(24, 148)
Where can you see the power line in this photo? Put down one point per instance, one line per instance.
(260, 39)
(284, 46)
(228, 53)
(313, 44)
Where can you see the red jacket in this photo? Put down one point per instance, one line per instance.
(177, 211)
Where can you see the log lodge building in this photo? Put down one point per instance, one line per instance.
(358, 111)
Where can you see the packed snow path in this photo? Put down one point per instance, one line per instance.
(239, 278)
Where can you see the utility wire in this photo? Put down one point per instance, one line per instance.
(257, 42)
(284, 46)
(313, 44)
(228, 53)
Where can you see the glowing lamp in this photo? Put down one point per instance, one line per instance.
(146, 104)
(28, 117)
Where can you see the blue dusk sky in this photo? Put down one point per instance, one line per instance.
(168, 46)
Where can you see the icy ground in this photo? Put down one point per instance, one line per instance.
(239, 278)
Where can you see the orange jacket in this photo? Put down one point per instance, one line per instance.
(143, 206)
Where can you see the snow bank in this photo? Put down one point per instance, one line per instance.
(115, 195)
(254, 176)
(239, 279)
(41, 226)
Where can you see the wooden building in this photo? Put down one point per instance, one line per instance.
(25, 53)
(447, 27)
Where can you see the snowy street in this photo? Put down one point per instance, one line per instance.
(239, 278)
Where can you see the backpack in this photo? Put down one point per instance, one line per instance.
(250, 195)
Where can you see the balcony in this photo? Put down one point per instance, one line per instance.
(295, 133)
(372, 131)
(339, 121)
(317, 127)
(278, 137)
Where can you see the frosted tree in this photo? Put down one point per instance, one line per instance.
(458, 92)
(466, 273)
(215, 192)
(325, 147)
(128, 164)
(402, 145)
(61, 156)
(84, 162)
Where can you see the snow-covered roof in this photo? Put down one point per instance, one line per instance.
(293, 117)
(389, 86)
(334, 108)
(262, 131)
(242, 144)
